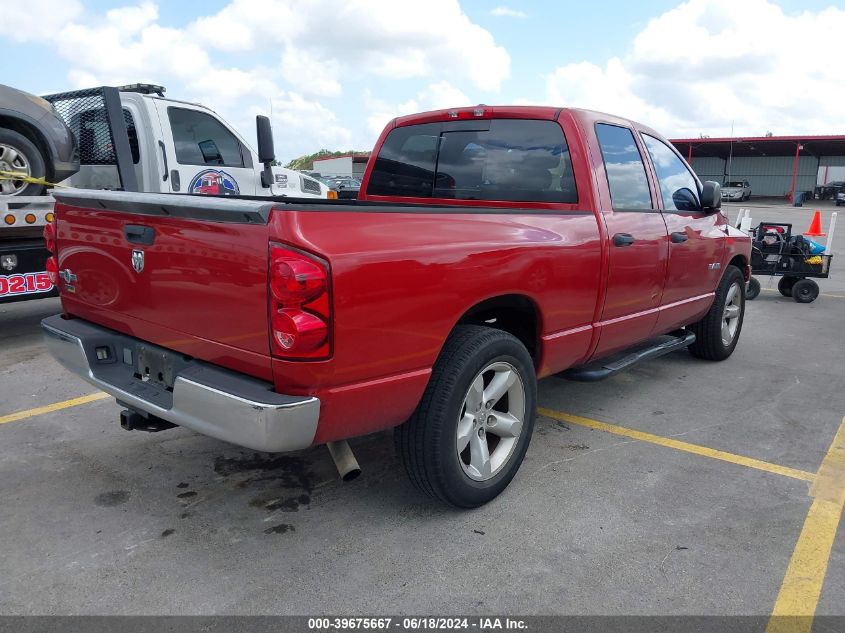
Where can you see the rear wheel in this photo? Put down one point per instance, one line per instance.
(469, 434)
(752, 289)
(805, 291)
(785, 285)
(718, 332)
(19, 155)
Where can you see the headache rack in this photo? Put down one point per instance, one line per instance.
(104, 131)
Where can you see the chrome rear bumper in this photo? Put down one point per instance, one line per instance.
(210, 400)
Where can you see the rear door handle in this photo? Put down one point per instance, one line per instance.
(139, 234)
(679, 237)
(623, 239)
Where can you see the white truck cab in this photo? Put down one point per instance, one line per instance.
(180, 147)
(160, 146)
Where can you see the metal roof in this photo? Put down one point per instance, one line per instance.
(813, 145)
(356, 158)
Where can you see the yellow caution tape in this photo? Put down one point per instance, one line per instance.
(14, 175)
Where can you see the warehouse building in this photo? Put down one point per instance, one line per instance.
(350, 165)
(775, 166)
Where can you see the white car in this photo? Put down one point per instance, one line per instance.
(736, 190)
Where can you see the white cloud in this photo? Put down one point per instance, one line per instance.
(436, 96)
(609, 89)
(397, 40)
(310, 74)
(507, 12)
(302, 126)
(252, 53)
(36, 20)
(128, 46)
(706, 63)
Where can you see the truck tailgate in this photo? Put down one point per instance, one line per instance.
(188, 273)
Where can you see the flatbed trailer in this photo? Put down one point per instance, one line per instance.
(23, 255)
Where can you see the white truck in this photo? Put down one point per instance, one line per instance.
(133, 138)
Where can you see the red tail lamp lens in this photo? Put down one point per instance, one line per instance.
(53, 270)
(299, 331)
(300, 306)
(50, 237)
(295, 280)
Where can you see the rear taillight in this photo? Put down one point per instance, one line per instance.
(50, 244)
(53, 270)
(300, 306)
(50, 237)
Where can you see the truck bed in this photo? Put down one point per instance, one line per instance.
(401, 275)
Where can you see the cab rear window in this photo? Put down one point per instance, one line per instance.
(513, 160)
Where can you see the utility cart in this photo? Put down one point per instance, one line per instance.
(776, 252)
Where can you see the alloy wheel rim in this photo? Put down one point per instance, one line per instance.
(490, 421)
(12, 159)
(731, 314)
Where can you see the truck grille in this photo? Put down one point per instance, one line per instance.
(310, 185)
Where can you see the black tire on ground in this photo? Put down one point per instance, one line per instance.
(805, 291)
(752, 289)
(785, 285)
(709, 343)
(31, 154)
(427, 444)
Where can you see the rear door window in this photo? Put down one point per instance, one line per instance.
(513, 160)
(678, 187)
(624, 166)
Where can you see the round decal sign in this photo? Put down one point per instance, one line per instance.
(214, 182)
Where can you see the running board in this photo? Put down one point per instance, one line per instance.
(606, 367)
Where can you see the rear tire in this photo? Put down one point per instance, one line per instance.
(19, 154)
(752, 290)
(477, 366)
(805, 291)
(718, 332)
(785, 285)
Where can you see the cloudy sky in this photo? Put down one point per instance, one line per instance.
(335, 71)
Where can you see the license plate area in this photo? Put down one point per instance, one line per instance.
(155, 365)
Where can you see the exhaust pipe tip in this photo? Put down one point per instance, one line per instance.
(344, 460)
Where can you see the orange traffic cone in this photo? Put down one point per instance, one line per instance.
(815, 229)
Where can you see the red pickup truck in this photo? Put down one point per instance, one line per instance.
(489, 247)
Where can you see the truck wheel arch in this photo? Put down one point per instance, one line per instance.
(513, 313)
(742, 263)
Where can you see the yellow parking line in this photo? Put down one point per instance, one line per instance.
(696, 449)
(802, 584)
(56, 406)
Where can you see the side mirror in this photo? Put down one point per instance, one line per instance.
(264, 130)
(711, 196)
(266, 152)
(685, 200)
